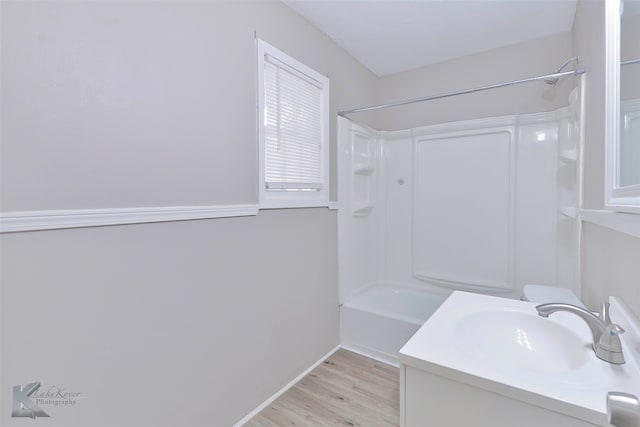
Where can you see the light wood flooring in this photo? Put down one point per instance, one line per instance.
(347, 389)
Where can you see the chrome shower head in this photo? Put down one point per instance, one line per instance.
(560, 68)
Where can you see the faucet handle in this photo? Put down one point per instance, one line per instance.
(609, 347)
(604, 313)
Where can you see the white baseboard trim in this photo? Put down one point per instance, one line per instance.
(57, 219)
(280, 392)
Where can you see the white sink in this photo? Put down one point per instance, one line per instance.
(523, 340)
(503, 346)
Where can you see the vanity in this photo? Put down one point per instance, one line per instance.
(488, 361)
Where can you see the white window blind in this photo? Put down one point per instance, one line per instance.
(293, 132)
(293, 128)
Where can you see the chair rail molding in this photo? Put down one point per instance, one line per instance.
(11, 222)
(627, 223)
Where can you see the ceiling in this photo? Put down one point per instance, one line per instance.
(390, 36)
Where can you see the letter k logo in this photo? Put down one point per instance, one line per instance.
(22, 405)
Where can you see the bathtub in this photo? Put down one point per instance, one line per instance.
(379, 320)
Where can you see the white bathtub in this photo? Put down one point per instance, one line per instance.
(379, 320)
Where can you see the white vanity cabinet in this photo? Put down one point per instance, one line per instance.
(432, 400)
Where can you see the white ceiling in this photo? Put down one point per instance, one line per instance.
(390, 36)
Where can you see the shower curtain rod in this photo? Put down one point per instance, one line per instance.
(465, 91)
(631, 62)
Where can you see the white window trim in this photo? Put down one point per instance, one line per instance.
(616, 198)
(276, 199)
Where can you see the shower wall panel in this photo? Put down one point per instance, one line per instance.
(359, 219)
(479, 209)
(470, 205)
(397, 190)
(462, 208)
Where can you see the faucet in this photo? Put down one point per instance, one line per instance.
(606, 342)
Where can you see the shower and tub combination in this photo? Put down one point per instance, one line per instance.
(486, 205)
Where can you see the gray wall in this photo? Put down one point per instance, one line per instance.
(589, 44)
(190, 323)
(609, 258)
(140, 104)
(123, 104)
(610, 267)
(504, 64)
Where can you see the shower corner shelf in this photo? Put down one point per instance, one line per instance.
(360, 169)
(363, 210)
(570, 155)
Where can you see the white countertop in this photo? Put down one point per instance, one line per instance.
(440, 347)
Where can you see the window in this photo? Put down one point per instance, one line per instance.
(622, 182)
(293, 132)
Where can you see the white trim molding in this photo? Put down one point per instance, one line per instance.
(58, 219)
(280, 392)
(616, 198)
(627, 223)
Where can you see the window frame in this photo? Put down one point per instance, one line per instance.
(291, 198)
(624, 199)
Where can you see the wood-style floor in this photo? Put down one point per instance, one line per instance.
(345, 390)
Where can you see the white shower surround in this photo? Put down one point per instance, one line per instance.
(523, 229)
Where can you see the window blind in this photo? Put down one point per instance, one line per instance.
(293, 128)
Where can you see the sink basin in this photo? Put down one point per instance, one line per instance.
(522, 340)
(503, 346)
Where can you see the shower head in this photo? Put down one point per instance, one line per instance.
(560, 68)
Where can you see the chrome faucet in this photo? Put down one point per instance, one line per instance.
(606, 342)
